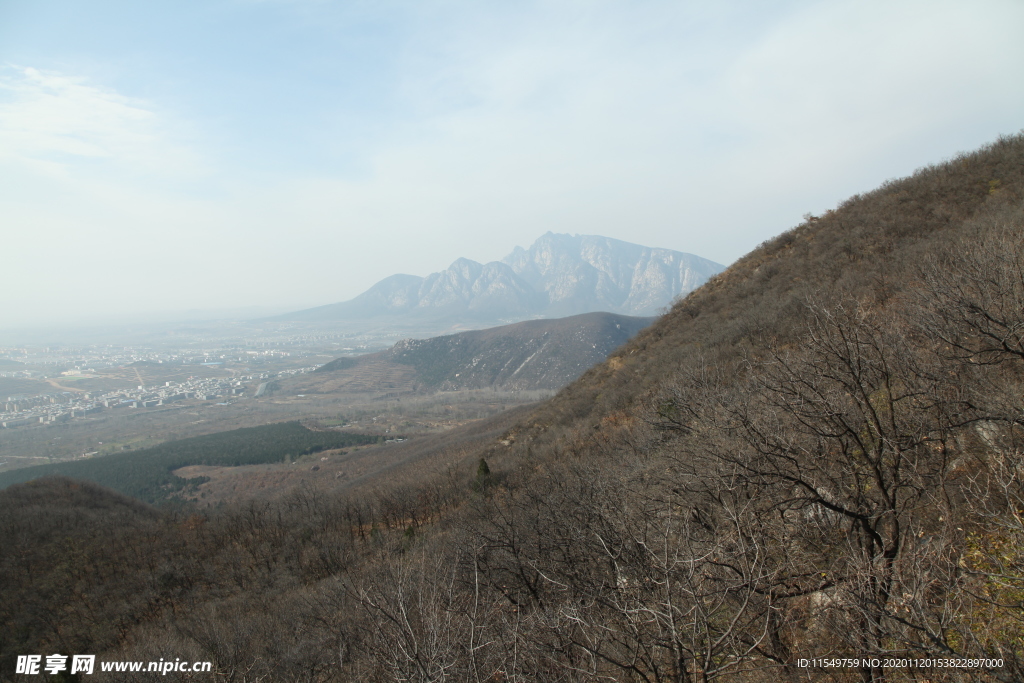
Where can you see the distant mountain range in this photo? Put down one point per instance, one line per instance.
(559, 275)
(534, 354)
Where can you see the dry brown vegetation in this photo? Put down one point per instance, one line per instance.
(524, 356)
(818, 454)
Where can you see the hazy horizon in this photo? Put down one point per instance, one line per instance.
(285, 154)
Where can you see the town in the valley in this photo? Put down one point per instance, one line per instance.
(45, 385)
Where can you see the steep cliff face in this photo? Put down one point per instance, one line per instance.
(559, 275)
(580, 273)
(492, 291)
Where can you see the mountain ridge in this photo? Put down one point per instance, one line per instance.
(528, 355)
(559, 275)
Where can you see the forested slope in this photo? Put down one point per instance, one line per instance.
(148, 474)
(816, 455)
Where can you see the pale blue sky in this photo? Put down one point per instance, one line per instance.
(175, 155)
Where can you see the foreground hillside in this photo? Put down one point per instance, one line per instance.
(817, 455)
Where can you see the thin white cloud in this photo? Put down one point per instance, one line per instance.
(638, 125)
(694, 127)
(55, 123)
(880, 68)
(640, 131)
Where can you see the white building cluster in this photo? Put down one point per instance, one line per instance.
(64, 406)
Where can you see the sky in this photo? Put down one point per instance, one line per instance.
(282, 154)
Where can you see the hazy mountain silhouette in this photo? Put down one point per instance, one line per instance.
(559, 275)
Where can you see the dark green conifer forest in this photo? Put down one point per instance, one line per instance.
(148, 474)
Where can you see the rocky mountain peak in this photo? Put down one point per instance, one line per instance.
(558, 275)
(580, 273)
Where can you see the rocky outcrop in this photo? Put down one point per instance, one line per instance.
(582, 273)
